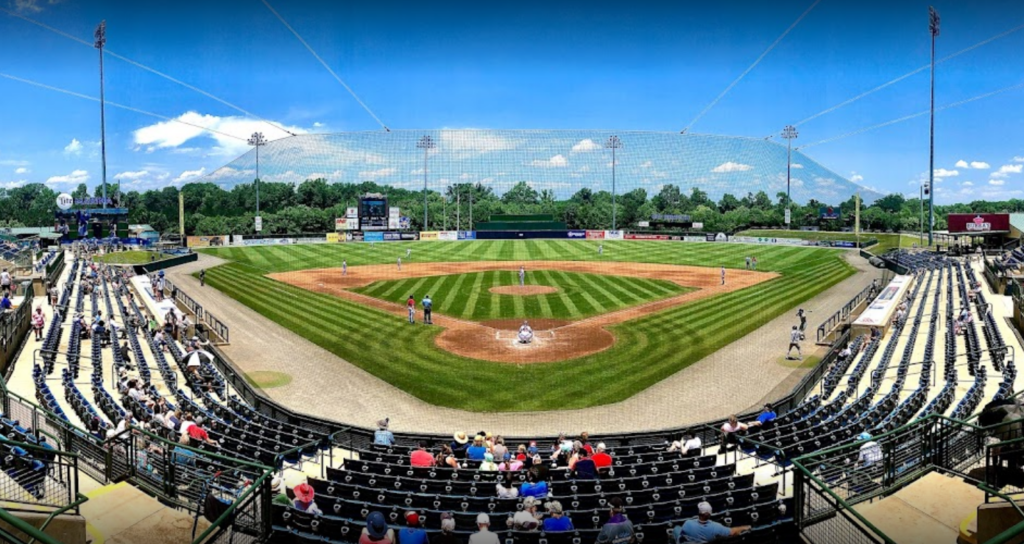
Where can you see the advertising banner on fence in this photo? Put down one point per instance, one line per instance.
(697, 225)
(410, 236)
(333, 238)
(647, 237)
(577, 234)
(694, 238)
(448, 236)
(720, 237)
(467, 235)
(392, 236)
(428, 235)
(769, 241)
(356, 236)
(844, 243)
(828, 212)
(978, 223)
(373, 236)
(613, 234)
(394, 218)
(595, 235)
(207, 241)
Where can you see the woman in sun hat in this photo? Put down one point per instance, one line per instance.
(376, 531)
(277, 490)
(460, 441)
(304, 499)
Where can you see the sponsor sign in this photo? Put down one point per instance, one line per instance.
(93, 201)
(595, 235)
(265, 241)
(410, 236)
(355, 236)
(844, 243)
(373, 236)
(881, 310)
(773, 241)
(448, 236)
(978, 223)
(694, 239)
(671, 218)
(352, 212)
(576, 234)
(206, 241)
(394, 218)
(613, 234)
(259, 223)
(467, 235)
(404, 223)
(788, 215)
(428, 235)
(647, 237)
(392, 236)
(828, 212)
(333, 238)
(339, 223)
(64, 201)
(697, 225)
(720, 237)
(643, 224)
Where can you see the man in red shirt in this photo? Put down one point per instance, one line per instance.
(411, 303)
(601, 459)
(199, 435)
(420, 457)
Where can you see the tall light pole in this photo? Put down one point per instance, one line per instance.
(101, 40)
(920, 234)
(933, 27)
(425, 143)
(613, 143)
(257, 140)
(789, 134)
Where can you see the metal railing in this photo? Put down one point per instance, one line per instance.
(38, 478)
(14, 329)
(216, 326)
(54, 268)
(843, 314)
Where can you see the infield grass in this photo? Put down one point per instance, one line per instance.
(467, 296)
(647, 350)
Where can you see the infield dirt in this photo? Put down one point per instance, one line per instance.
(555, 340)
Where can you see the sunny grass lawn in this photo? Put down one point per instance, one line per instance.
(467, 296)
(885, 241)
(647, 350)
(129, 257)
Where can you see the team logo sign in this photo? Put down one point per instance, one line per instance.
(978, 224)
(64, 201)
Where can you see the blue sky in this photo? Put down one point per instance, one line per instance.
(529, 65)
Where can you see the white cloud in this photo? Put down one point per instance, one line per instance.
(996, 182)
(967, 184)
(586, 145)
(21, 170)
(73, 148)
(75, 177)
(557, 161)
(374, 174)
(170, 135)
(731, 167)
(12, 162)
(416, 172)
(465, 176)
(189, 175)
(647, 164)
(1007, 169)
(979, 165)
(464, 141)
(12, 184)
(796, 165)
(1018, 159)
(228, 172)
(961, 164)
(584, 169)
(318, 124)
(856, 178)
(333, 177)
(943, 173)
(132, 175)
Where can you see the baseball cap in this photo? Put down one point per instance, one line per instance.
(704, 508)
(412, 518)
(483, 519)
(864, 436)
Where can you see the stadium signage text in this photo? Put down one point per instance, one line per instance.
(978, 223)
(576, 234)
(647, 237)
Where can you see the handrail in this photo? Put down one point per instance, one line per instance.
(78, 502)
(1009, 534)
(935, 417)
(234, 505)
(984, 487)
(25, 527)
(840, 502)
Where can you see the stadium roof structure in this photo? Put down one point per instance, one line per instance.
(563, 161)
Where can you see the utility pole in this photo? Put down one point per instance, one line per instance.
(933, 27)
(101, 40)
(257, 140)
(920, 234)
(789, 133)
(425, 143)
(613, 143)
(458, 208)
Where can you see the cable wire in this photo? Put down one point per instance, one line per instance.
(751, 67)
(913, 115)
(116, 105)
(324, 64)
(908, 74)
(146, 68)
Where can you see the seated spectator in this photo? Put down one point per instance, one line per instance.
(685, 445)
(511, 464)
(445, 457)
(729, 430)
(585, 441)
(870, 452)
(703, 529)
(767, 415)
(534, 486)
(558, 521)
(477, 450)
(499, 450)
(459, 444)
(277, 490)
(304, 499)
(484, 534)
(198, 436)
(601, 459)
(618, 529)
(412, 533)
(447, 534)
(382, 436)
(420, 457)
(563, 454)
(377, 531)
(509, 492)
(584, 467)
(488, 465)
(526, 519)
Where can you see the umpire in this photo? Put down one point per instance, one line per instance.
(428, 305)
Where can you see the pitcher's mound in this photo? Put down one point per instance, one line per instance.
(523, 290)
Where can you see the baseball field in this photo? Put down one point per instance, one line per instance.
(608, 326)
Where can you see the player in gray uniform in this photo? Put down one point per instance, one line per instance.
(522, 276)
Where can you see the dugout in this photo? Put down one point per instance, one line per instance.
(880, 312)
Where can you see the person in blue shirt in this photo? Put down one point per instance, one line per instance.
(428, 306)
(5, 303)
(412, 533)
(767, 414)
(477, 451)
(383, 437)
(533, 486)
(558, 521)
(703, 529)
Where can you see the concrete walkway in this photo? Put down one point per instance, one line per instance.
(731, 380)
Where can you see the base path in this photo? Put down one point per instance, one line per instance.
(730, 380)
(477, 340)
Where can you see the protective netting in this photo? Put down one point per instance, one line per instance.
(562, 161)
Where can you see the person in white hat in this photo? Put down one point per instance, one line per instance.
(870, 452)
(525, 519)
(484, 535)
(703, 529)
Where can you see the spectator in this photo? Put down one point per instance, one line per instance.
(38, 320)
(870, 451)
(558, 521)
(277, 489)
(5, 281)
(126, 354)
(412, 533)
(509, 492)
(703, 529)
(489, 465)
(767, 415)
(5, 303)
(499, 450)
(459, 441)
(511, 463)
(446, 457)
(618, 529)
(601, 459)
(382, 436)
(477, 450)
(54, 294)
(534, 486)
(687, 444)
(526, 519)
(729, 430)
(484, 534)
(447, 534)
(585, 440)
(198, 436)
(420, 457)
(304, 499)
(584, 467)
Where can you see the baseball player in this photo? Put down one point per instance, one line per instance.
(753, 262)
(399, 264)
(428, 306)
(408, 253)
(748, 262)
(522, 276)
(794, 342)
(723, 275)
(344, 267)
(802, 315)
(411, 304)
(600, 249)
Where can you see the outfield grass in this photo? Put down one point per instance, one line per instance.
(466, 296)
(128, 257)
(885, 241)
(647, 350)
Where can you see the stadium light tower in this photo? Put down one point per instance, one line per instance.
(257, 140)
(101, 40)
(425, 143)
(789, 134)
(613, 143)
(933, 27)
